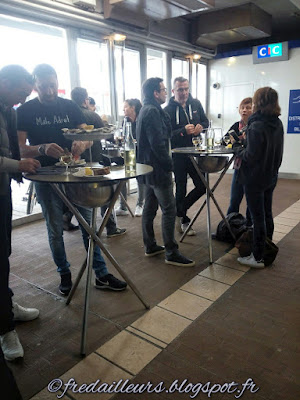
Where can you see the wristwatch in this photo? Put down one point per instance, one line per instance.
(42, 149)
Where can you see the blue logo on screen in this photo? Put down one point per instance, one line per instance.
(270, 50)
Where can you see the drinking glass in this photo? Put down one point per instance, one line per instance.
(66, 163)
(67, 166)
(226, 140)
(218, 136)
(196, 141)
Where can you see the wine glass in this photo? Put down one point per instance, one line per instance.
(196, 141)
(65, 160)
(218, 137)
(226, 139)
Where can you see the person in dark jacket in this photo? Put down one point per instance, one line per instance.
(188, 119)
(237, 189)
(261, 159)
(15, 85)
(153, 132)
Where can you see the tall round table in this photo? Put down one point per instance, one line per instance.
(206, 162)
(92, 192)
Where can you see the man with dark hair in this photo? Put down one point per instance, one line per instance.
(188, 119)
(92, 104)
(80, 96)
(15, 85)
(41, 121)
(153, 134)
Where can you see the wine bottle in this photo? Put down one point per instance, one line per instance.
(130, 154)
(210, 137)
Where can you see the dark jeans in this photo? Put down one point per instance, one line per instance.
(111, 225)
(162, 196)
(236, 197)
(6, 314)
(53, 208)
(8, 384)
(122, 202)
(260, 205)
(182, 168)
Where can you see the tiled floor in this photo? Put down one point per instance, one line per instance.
(209, 323)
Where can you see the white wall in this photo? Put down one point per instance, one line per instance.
(239, 78)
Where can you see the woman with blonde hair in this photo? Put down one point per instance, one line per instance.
(261, 158)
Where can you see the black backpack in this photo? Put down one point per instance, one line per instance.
(237, 223)
(245, 242)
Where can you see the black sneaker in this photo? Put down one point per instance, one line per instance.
(153, 251)
(68, 226)
(65, 284)
(179, 260)
(117, 232)
(110, 282)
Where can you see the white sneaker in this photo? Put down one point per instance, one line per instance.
(251, 262)
(191, 232)
(120, 211)
(24, 314)
(11, 346)
(138, 211)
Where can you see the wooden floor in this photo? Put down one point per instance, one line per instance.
(251, 331)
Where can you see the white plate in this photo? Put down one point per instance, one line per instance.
(81, 174)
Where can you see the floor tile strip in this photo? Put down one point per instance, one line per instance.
(131, 350)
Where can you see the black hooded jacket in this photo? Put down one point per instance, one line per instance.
(179, 119)
(153, 132)
(262, 155)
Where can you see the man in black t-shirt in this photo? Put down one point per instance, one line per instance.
(41, 121)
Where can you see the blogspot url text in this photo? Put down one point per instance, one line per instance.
(125, 386)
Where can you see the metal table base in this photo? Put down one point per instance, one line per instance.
(204, 176)
(94, 239)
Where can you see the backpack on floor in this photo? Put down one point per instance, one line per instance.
(237, 223)
(244, 246)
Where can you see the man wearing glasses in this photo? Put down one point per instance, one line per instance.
(188, 119)
(153, 134)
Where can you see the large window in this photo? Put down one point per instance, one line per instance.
(156, 64)
(28, 44)
(198, 87)
(94, 73)
(179, 68)
(128, 79)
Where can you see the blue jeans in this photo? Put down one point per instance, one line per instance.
(53, 208)
(259, 202)
(162, 196)
(236, 197)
